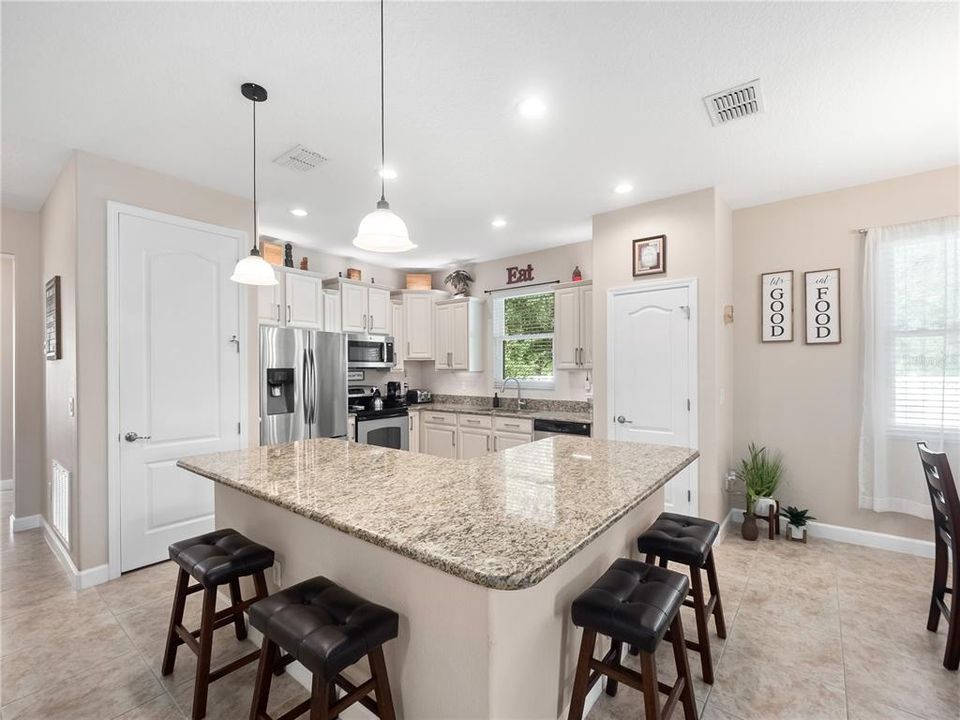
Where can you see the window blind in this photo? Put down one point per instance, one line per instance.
(523, 337)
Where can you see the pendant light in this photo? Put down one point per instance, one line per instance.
(382, 230)
(253, 269)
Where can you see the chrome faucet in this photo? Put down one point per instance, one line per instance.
(521, 403)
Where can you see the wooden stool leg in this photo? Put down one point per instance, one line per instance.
(951, 657)
(715, 592)
(378, 669)
(703, 631)
(261, 688)
(239, 626)
(772, 523)
(939, 583)
(176, 618)
(687, 699)
(650, 559)
(319, 699)
(582, 676)
(203, 659)
(651, 692)
(612, 684)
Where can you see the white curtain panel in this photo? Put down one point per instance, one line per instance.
(911, 360)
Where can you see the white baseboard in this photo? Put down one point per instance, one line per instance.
(28, 522)
(6, 484)
(82, 579)
(856, 536)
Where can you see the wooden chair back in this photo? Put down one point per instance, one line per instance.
(943, 495)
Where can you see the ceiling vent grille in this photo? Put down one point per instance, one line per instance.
(300, 158)
(735, 103)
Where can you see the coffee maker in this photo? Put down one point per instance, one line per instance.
(393, 391)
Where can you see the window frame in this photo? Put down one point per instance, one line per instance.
(497, 337)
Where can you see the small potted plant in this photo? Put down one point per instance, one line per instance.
(797, 520)
(760, 474)
(460, 281)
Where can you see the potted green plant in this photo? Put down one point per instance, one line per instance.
(760, 474)
(797, 520)
(460, 281)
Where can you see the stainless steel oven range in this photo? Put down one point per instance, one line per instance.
(380, 421)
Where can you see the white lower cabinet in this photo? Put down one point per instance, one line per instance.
(414, 431)
(505, 440)
(439, 440)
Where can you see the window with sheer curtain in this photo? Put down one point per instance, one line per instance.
(523, 338)
(911, 359)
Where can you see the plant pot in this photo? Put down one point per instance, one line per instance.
(762, 506)
(749, 528)
(797, 533)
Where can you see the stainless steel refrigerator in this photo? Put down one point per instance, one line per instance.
(303, 385)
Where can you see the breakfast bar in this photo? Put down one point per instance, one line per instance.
(481, 558)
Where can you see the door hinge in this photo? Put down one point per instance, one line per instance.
(689, 496)
(686, 311)
(238, 428)
(688, 404)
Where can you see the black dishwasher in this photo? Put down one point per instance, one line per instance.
(549, 428)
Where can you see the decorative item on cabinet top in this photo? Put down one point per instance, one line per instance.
(272, 252)
(419, 281)
(460, 281)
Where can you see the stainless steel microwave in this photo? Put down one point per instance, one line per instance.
(370, 351)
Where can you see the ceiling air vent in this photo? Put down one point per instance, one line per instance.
(300, 158)
(735, 103)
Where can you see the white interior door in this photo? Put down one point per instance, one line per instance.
(178, 375)
(650, 400)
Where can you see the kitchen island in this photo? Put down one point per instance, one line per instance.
(481, 558)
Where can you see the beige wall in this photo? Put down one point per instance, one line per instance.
(7, 304)
(20, 237)
(697, 228)
(806, 400)
(58, 235)
(553, 264)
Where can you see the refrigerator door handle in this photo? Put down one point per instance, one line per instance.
(313, 387)
(304, 389)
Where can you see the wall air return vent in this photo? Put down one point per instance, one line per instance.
(300, 158)
(734, 103)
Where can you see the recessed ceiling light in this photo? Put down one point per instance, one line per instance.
(499, 222)
(299, 212)
(388, 173)
(623, 188)
(532, 108)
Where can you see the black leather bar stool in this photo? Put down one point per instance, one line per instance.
(689, 541)
(633, 603)
(327, 629)
(218, 558)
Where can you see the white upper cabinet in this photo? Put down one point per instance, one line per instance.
(331, 311)
(364, 308)
(418, 324)
(379, 311)
(304, 299)
(399, 335)
(353, 307)
(459, 339)
(270, 304)
(295, 301)
(573, 326)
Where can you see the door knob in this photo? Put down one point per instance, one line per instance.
(621, 419)
(133, 437)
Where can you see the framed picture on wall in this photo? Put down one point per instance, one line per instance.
(52, 344)
(650, 256)
(821, 291)
(776, 306)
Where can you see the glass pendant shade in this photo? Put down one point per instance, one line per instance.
(254, 270)
(383, 231)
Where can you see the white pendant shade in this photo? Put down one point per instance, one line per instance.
(254, 270)
(383, 231)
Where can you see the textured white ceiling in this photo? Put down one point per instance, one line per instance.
(854, 92)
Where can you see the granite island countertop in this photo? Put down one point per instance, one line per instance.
(504, 520)
(466, 409)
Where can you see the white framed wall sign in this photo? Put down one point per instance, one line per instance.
(776, 306)
(822, 306)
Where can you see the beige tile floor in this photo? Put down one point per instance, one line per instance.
(815, 632)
